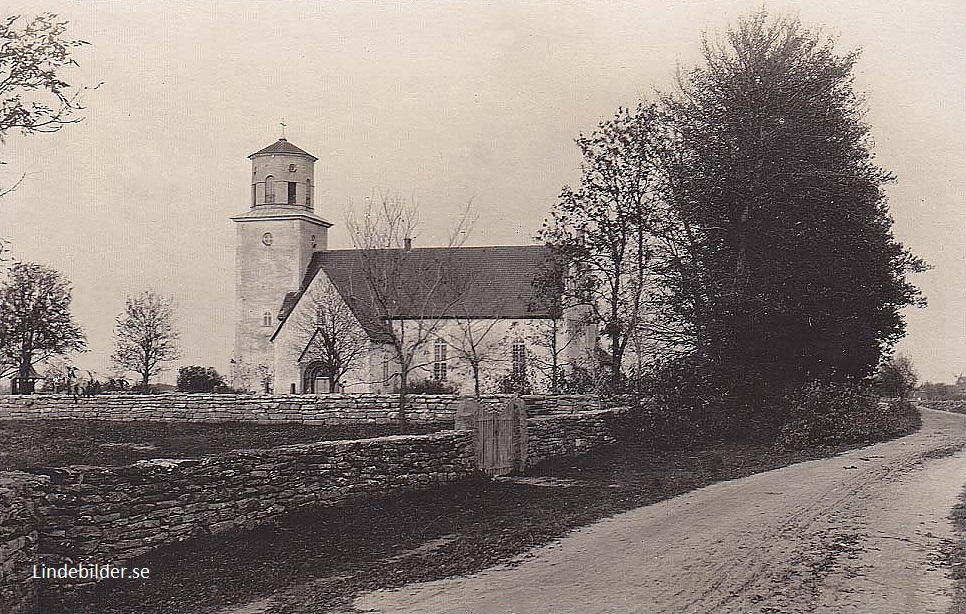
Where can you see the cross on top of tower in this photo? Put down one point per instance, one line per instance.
(282, 124)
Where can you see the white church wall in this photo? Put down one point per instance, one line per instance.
(294, 336)
(494, 341)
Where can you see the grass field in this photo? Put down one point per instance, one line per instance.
(31, 444)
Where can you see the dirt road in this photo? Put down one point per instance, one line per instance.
(860, 532)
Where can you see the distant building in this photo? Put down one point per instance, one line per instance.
(474, 296)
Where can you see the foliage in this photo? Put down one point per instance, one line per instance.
(600, 229)
(199, 379)
(431, 386)
(784, 266)
(514, 384)
(822, 413)
(116, 384)
(146, 337)
(34, 97)
(942, 392)
(896, 377)
(35, 319)
(60, 375)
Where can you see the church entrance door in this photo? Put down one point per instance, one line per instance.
(315, 379)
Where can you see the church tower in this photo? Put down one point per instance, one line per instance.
(274, 243)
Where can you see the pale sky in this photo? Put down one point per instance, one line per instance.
(447, 101)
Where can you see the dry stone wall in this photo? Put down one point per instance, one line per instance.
(116, 513)
(21, 502)
(309, 409)
(563, 435)
(955, 406)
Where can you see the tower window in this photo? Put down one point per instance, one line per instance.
(291, 192)
(439, 360)
(267, 318)
(308, 192)
(269, 190)
(518, 359)
(254, 202)
(320, 315)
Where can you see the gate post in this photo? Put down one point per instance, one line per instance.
(517, 410)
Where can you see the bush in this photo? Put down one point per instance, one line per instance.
(199, 379)
(826, 414)
(683, 402)
(431, 386)
(514, 384)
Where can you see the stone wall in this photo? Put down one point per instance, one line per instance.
(563, 435)
(111, 514)
(309, 409)
(955, 406)
(540, 405)
(21, 498)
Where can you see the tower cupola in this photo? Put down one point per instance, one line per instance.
(283, 177)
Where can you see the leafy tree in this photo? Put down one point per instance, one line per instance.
(60, 374)
(146, 337)
(34, 97)
(199, 379)
(782, 262)
(896, 377)
(35, 319)
(601, 227)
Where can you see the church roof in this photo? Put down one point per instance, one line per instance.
(432, 282)
(282, 146)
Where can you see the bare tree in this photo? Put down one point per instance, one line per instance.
(146, 335)
(326, 331)
(408, 294)
(477, 343)
(35, 319)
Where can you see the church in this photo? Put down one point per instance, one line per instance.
(310, 320)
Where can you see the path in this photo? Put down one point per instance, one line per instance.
(860, 532)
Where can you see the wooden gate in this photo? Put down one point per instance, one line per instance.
(500, 439)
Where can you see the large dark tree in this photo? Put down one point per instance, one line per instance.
(786, 268)
(35, 319)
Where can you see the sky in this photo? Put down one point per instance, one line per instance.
(445, 102)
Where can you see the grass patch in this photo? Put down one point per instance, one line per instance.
(26, 445)
(319, 559)
(957, 558)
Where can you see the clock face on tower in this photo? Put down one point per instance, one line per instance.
(267, 238)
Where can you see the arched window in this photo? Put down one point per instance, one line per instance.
(308, 192)
(439, 360)
(320, 315)
(292, 190)
(518, 359)
(269, 190)
(254, 191)
(267, 318)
